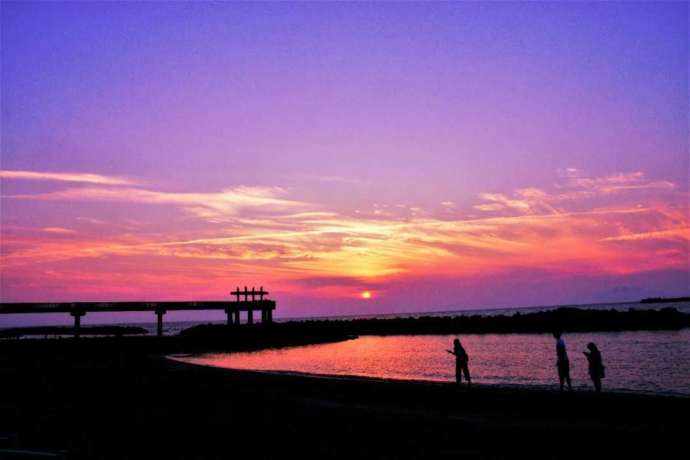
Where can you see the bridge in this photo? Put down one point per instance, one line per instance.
(232, 308)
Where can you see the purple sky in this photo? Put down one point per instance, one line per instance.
(436, 154)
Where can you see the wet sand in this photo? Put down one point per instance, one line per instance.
(98, 400)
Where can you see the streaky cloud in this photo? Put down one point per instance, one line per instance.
(85, 178)
(212, 207)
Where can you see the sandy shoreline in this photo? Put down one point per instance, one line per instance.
(180, 358)
(95, 400)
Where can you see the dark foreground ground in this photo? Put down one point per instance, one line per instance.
(95, 400)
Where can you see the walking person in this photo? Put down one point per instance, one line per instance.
(596, 366)
(461, 363)
(562, 362)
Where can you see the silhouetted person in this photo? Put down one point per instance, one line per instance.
(562, 362)
(596, 366)
(461, 362)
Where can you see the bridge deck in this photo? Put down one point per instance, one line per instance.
(68, 307)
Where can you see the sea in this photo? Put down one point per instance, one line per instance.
(641, 361)
(652, 362)
(656, 362)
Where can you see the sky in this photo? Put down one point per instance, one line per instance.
(436, 155)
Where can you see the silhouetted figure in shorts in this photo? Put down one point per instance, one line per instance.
(461, 362)
(562, 362)
(596, 366)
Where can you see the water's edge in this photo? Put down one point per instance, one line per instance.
(180, 358)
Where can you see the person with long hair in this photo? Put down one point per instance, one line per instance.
(596, 366)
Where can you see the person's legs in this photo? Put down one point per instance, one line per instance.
(567, 377)
(466, 371)
(564, 374)
(597, 384)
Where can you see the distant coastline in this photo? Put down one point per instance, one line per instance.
(457, 311)
(665, 299)
(563, 319)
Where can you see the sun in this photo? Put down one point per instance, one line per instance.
(366, 295)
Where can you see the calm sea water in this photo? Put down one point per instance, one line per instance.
(650, 362)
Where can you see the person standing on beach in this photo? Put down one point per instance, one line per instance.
(596, 366)
(562, 362)
(461, 362)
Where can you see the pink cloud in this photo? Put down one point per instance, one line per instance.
(65, 177)
(58, 230)
(214, 207)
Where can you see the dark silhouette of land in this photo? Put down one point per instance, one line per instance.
(563, 319)
(16, 332)
(119, 398)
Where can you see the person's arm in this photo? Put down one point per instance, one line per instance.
(451, 352)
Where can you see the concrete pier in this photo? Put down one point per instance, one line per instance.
(245, 300)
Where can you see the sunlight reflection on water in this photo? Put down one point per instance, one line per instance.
(635, 361)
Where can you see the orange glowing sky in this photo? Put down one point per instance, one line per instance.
(611, 227)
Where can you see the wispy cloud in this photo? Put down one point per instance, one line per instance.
(614, 183)
(329, 179)
(58, 230)
(576, 186)
(212, 207)
(92, 220)
(65, 177)
(676, 234)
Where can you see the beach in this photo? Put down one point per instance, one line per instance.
(117, 399)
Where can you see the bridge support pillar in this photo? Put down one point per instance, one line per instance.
(250, 316)
(77, 314)
(269, 316)
(237, 317)
(159, 316)
(229, 315)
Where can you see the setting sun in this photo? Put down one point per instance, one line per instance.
(366, 295)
